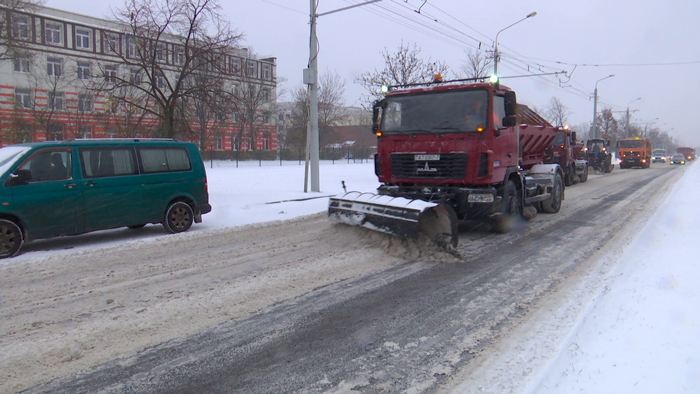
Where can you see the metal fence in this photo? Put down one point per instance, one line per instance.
(350, 154)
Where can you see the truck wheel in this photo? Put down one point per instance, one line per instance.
(511, 209)
(569, 177)
(11, 238)
(178, 217)
(554, 203)
(584, 177)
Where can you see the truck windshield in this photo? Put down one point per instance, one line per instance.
(559, 139)
(436, 112)
(632, 144)
(659, 152)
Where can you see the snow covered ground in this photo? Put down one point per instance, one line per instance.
(638, 329)
(639, 334)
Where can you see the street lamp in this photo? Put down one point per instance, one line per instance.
(311, 79)
(496, 55)
(595, 106)
(627, 129)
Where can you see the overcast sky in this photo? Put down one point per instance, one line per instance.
(651, 47)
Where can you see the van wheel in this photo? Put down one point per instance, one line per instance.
(11, 238)
(178, 217)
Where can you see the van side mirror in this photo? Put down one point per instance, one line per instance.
(20, 177)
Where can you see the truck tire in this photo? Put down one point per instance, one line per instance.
(553, 204)
(511, 209)
(569, 176)
(584, 177)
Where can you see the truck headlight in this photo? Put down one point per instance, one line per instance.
(480, 197)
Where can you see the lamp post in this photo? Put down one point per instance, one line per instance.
(627, 129)
(311, 79)
(496, 55)
(595, 107)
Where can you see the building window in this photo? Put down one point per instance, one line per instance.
(266, 95)
(83, 70)
(111, 43)
(161, 52)
(85, 132)
(84, 103)
(267, 71)
(160, 81)
(134, 76)
(131, 47)
(178, 56)
(56, 100)
(55, 132)
(111, 132)
(111, 74)
(23, 98)
(53, 32)
(252, 68)
(234, 144)
(20, 26)
(219, 143)
(82, 38)
(53, 66)
(21, 65)
(266, 143)
(235, 65)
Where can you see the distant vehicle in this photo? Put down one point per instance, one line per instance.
(688, 152)
(678, 158)
(634, 152)
(49, 189)
(659, 155)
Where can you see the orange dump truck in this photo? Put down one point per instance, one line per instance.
(634, 152)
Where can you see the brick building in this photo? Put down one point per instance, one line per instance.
(48, 96)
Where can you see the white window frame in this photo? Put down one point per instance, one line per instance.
(85, 103)
(54, 66)
(111, 43)
(56, 101)
(53, 32)
(131, 47)
(267, 71)
(178, 56)
(20, 26)
(111, 73)
(83, 38)
(251, 68)
(23, 97)
(84, 70)
(21, 65)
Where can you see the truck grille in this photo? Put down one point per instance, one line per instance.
(449, 166)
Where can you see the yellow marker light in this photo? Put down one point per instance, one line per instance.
(480, 128)
(437, 78)
(6, 203)
(378, 133)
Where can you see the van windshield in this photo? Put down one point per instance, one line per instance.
(9, 155)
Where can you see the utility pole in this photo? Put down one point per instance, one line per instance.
(595, 107)
(311, 79)
(496, 55)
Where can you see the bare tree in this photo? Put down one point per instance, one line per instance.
(608, 125)
(400, 68)
(331, 90)
(557, 113)
(253, 105)
(16, 28)
(476, 65)
(201, 38)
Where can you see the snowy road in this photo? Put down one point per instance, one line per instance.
(302, 306)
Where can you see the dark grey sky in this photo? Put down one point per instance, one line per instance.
(651, 46)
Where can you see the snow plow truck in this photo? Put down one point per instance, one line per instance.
(452, 151)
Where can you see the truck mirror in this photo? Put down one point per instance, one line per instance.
(573, 137)
(509, 102)
(375, 114)
(510, 121)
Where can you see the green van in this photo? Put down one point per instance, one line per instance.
(49, 189)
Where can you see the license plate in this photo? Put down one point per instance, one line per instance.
(426, 157)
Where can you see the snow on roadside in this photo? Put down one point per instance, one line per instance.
(640, 334)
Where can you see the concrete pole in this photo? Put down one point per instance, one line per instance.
(313, 142)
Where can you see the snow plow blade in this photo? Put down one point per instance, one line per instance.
(396, 215)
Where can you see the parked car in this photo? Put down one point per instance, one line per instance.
(49, 189)
(678, 158)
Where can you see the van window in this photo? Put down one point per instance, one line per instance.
(102, 162)
(164, 159)
(48, 165)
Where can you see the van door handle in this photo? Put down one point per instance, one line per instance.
(91, 184)
(70, 185)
